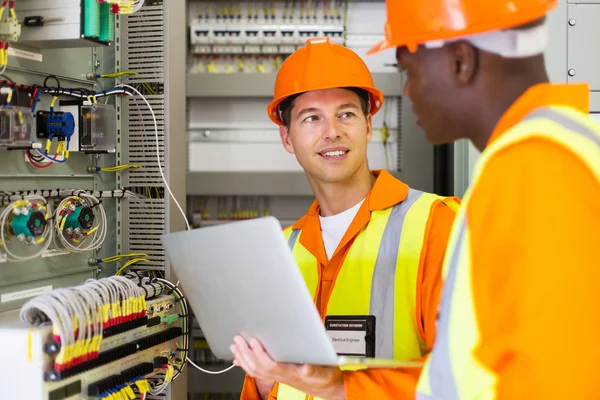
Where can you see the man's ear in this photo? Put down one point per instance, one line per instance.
(284, 133)
(464, 59)
(369, 128)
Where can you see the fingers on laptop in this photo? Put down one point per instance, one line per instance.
(253, 358)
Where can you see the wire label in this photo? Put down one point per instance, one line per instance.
(23, 294)
(30, 55)
(54, 253)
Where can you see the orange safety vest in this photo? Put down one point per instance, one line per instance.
(452, 372)
(378, 277)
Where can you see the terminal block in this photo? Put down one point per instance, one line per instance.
(10, 30)
(17, 127)
(98, 128)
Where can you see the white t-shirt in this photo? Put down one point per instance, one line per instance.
(334, 228)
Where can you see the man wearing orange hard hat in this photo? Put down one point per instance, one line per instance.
(370, 248)
(521, 276)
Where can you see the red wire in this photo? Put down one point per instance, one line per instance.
(34, 163)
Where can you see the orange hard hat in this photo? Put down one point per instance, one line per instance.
(320, 65)
(411, 23)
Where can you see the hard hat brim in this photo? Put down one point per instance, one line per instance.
(383, 45)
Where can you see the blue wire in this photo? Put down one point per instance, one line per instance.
(51, 158)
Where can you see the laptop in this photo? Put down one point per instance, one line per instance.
(241, 278)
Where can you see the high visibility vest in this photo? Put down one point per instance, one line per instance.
(378, 277)
(452, 371)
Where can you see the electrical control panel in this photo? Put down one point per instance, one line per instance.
(123, 359)
(256, 37)
(114, 335)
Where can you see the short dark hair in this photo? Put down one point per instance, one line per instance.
(287, 105)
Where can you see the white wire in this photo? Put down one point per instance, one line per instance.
(138, 5)
(210, 372)
(187, 224)
(160, 168)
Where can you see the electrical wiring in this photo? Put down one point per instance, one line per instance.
(185, 325)
(4, 44)
(118, 257)
(47, 193)
(80, 222)
(129, 263)
(158, 156)
(167, 283)
(80, 315)
(23, 219)
(116, 168)
(120, 194)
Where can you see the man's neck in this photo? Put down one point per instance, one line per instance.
(502, 93)
(335, 198)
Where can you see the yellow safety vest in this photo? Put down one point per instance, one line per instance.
(378, 277)
(452, 371)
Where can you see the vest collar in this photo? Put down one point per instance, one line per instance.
(543, 95)
(386, 192)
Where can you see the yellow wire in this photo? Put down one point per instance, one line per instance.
(122, 256)
(118, 74)
(129, 263)
(118, 168)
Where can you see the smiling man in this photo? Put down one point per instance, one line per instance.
(369, 247)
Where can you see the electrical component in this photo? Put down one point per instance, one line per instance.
(55, 124)
(74, 23)
(59, 125)
(98, 128)
(17, 127)
(27, 221)
(81, 342)
(10, 30)
(220, 32)
(80, 222)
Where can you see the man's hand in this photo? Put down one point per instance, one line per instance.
(319, 381)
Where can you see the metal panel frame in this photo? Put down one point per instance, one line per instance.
(176, 135)
(155, 48)
(261, 85)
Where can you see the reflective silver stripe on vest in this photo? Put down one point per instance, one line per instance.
(566, 121)
(382, 286)
(441, 374)
(293, 238)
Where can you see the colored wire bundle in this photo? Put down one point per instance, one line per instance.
(81, 314)
(24, 219)
(77, 219)
(116, 168)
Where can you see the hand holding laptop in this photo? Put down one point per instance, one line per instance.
(319, 381)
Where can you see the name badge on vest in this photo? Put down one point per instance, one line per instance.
(352, 335)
